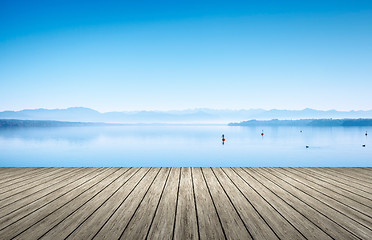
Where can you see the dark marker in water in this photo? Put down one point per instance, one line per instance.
(307, 146)
(363, 145)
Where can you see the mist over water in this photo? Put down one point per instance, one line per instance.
(126, 146)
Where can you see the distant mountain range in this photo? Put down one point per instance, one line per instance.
(14, 123)
(307, 122)
(203, 115)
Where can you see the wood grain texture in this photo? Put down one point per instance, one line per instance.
(186, 226)
(163, 222)
(88, 229)
(185, 203)
(322, 221)
(117, 223)
(207, 215)
(348, 223)
(307, 228)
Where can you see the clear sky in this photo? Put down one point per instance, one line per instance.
(161, 55)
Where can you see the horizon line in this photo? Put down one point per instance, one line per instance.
(186, 109)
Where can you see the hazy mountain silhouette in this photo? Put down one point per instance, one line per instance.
(307, 122)
(202, 115)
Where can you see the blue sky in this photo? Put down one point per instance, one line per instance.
(161, 55)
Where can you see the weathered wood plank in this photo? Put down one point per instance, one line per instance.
(231, 221)
(42, 196)
(348, 175)
(163, 223)
(14, 173)
(91, 226)
(254, 222)
(48, 223)
(119, 220)
(277, 223)
(330, 201)
(360, 204)
(307, 228)
(361, 173)
(65, 227)
(9, 180)
(141, 221)
(185, 203)
(186, 226)
(21, 218)
(351, 225)
(209, 225)
(27, 180)
(322, 221)
(37, 180)
(337, 182)
(11, 198)
(39, 221)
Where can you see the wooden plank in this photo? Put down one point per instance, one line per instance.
(361, 173)
(251, 218)
(65, 203)
(340, 177)
(369, 169)
(35, 189)
(4, 169)
(186, 226)
(328, 226)
(356, 202)
(15, 172)
(119, 220)
(349, 224)
(42, 196)
(356, 184)
(8, 180)
(366, 170)
(163, 223)
(277, 223)
(63, 228)
(79, 188)
(208, 222)
(25, 185)
(140, 223)
(354, 188)
(90, 227)
(348, 175)
(183, 203)
(307, 228)
(231, 221)
(34, 180)
(330, 201)
(42, 227)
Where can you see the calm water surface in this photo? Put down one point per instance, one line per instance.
(185, 146)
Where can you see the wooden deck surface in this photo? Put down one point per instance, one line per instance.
(185, 203)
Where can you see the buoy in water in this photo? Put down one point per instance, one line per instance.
(366, 133)
(262, 134)
(363, 145)
(223, 139)
(307, 146)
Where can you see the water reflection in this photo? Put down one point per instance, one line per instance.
(185, 146)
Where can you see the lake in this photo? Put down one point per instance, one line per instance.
(123, 146)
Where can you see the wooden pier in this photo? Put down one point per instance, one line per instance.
(185, 203)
